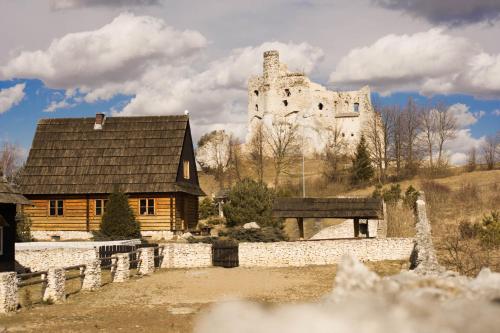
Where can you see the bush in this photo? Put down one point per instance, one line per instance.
(411, 197)
(249, 201)
(468, 230)
(362, 169)
(118, 221)
(23, 228)
(391, 196)
(265, 234)
(490, 231)
(207, 209)
(435, 193)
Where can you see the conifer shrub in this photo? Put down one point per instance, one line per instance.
(207, 208)
(411, 197)
(249, 201)
(118, 221)
(362, 169)
(23, 228)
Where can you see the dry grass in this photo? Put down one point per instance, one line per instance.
(400, 221)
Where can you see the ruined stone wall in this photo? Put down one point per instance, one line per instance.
(180, 255)
(327, 252)
(283, 95)
(345, 230)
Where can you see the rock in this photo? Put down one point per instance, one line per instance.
(186, 235)
(251, 225)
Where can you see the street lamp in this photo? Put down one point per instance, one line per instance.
(305, 116)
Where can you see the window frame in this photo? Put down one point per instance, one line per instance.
(186, 169)
(102, 207)
(356, 107)
(147, 207)
(58, 206)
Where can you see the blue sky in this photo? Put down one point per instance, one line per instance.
(155, 57)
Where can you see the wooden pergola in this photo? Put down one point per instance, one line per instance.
(348, 208)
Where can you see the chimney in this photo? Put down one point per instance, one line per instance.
(99, 121)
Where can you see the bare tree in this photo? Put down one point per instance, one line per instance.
(471, 160)
(235, 156)
(490, 150)
(10, 159)
(214, 154)
(256, 150)
(396, 147)
(334, 152)
(428, 122)
(446, 128)
(376, 134)
(283, 140)
(411, 131)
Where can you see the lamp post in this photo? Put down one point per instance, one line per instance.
(303, 157)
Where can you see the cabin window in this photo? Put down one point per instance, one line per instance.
(56, 208)
(287, 92)
(320, 106)
(1, 240)
(185, 169)
(147, 206)
(285, 102)
(356, 107)
(100, 205)
(256, 92)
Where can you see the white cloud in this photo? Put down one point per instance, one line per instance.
(55, 105)
(459, 147)
(431, 62)
(496, 112)
(163, 69)
(463, 116)
(10, 97)
(120, 50)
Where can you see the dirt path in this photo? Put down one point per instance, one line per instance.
(168, 301)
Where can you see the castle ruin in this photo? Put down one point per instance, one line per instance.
(281, 95)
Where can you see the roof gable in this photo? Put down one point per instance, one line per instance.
(140, 154)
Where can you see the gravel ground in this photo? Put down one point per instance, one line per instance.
(170, 300)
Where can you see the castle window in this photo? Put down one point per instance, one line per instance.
(256, 107)
(320, 106)
(287, 92)
(352, 134)
(343, 134)
(256, 92)
(356, 107)
(285, 102)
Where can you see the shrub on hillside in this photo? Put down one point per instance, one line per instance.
(118, 221)
(362, 169)
(249, 201)
(391, 196)
(207, 208)
(490, 231)
(411, 197)
(435, 193)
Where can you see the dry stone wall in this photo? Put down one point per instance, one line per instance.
(326, 252)
(179, 255)
(43, 258)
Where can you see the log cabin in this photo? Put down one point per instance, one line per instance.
(10, 198)
(75, 163)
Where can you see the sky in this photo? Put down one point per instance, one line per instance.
(73, 58)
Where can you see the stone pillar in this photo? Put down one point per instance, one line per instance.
(92, 275)
(121, 272)
(8, 292)
(54, 288)
(147, 263)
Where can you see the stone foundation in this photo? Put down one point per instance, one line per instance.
(61, 235)
(158, 235)
(327, 252)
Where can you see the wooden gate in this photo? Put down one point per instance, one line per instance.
(225, 255)
(108, 250)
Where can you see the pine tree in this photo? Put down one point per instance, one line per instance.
(362, 169)
(118, 221)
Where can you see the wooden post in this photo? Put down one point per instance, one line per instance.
(356, 227)
(300, 222)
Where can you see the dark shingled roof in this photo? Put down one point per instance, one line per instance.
(140, 154)
(10, 194)
(329, 207)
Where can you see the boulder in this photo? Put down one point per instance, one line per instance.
(251, 225)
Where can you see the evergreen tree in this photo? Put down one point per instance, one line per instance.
(249, 201)
(118, 221)
(362, 169)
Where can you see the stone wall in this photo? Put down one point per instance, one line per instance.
(42, 259)
(182, 255)
(326, 252)
(345, 230)
(60, 235)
